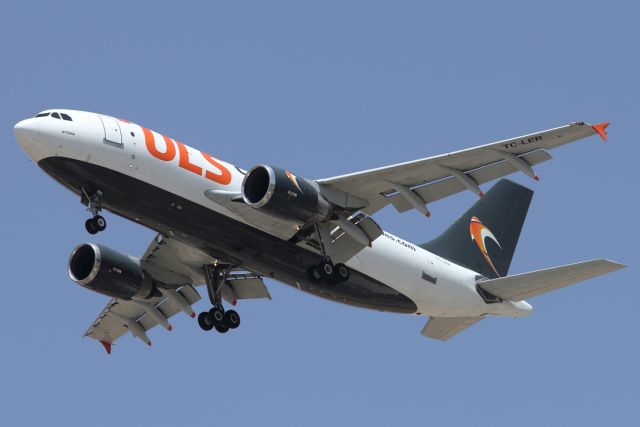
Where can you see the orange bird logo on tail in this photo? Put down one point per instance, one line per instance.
(479, 232)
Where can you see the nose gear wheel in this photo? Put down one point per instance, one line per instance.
(93, 202)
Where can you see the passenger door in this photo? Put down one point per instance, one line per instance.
(112, 132)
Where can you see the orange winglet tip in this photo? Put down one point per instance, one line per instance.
(600, 129)
(107, 346)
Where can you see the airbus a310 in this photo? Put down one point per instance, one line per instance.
(227, 228)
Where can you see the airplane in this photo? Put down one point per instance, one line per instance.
(228, 228)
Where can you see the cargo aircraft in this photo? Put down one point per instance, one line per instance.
(227, 228)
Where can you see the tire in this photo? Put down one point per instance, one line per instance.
(100, 222)
(217, 315)
(342, 272)
(91, 226)
(326, 269)
(314, 274)
(221, 328)
(231, 319)
(205, 321)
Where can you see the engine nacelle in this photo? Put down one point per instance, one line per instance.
(280, 193)
(109, 272)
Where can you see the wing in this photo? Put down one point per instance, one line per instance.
(419, 182)
(122, 316)
(177, 268)
(443, 328)
(522, 286)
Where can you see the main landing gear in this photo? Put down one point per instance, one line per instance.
(217, 317)
(327, 271)
(93, 201)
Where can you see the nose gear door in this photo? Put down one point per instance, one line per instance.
(112, 132)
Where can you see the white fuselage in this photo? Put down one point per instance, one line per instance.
(447, 290)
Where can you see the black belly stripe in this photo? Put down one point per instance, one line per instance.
(218, 235)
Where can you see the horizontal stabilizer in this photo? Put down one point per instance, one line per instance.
(443, 328)
(527, 285)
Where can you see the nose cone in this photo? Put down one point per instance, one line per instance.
(29, 137)
(26, 132)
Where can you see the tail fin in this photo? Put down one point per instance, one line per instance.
(484, 238)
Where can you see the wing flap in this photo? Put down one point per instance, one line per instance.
(244, 287)
(449, 186)
(169, 307)
(443, 328)
(346, 247)
(109, 325)
(522, 286)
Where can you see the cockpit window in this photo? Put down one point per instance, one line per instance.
(66, 117)
(42, 115)
(55, 115)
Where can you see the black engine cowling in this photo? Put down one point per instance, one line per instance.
(280, 193)
(109, 272)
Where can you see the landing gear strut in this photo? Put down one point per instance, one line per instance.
(217, 317)
(94, 205)
(326, 271)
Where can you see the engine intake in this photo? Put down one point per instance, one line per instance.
(109, 272)
(280, 193)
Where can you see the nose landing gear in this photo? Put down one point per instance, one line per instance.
(93, 202)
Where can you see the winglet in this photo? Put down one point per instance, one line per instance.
(107, 346)
(600, 129)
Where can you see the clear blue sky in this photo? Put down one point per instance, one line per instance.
(325, 88)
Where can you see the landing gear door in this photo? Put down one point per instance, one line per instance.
(112, 132)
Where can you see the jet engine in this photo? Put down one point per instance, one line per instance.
(280, 193)
(109, 272)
